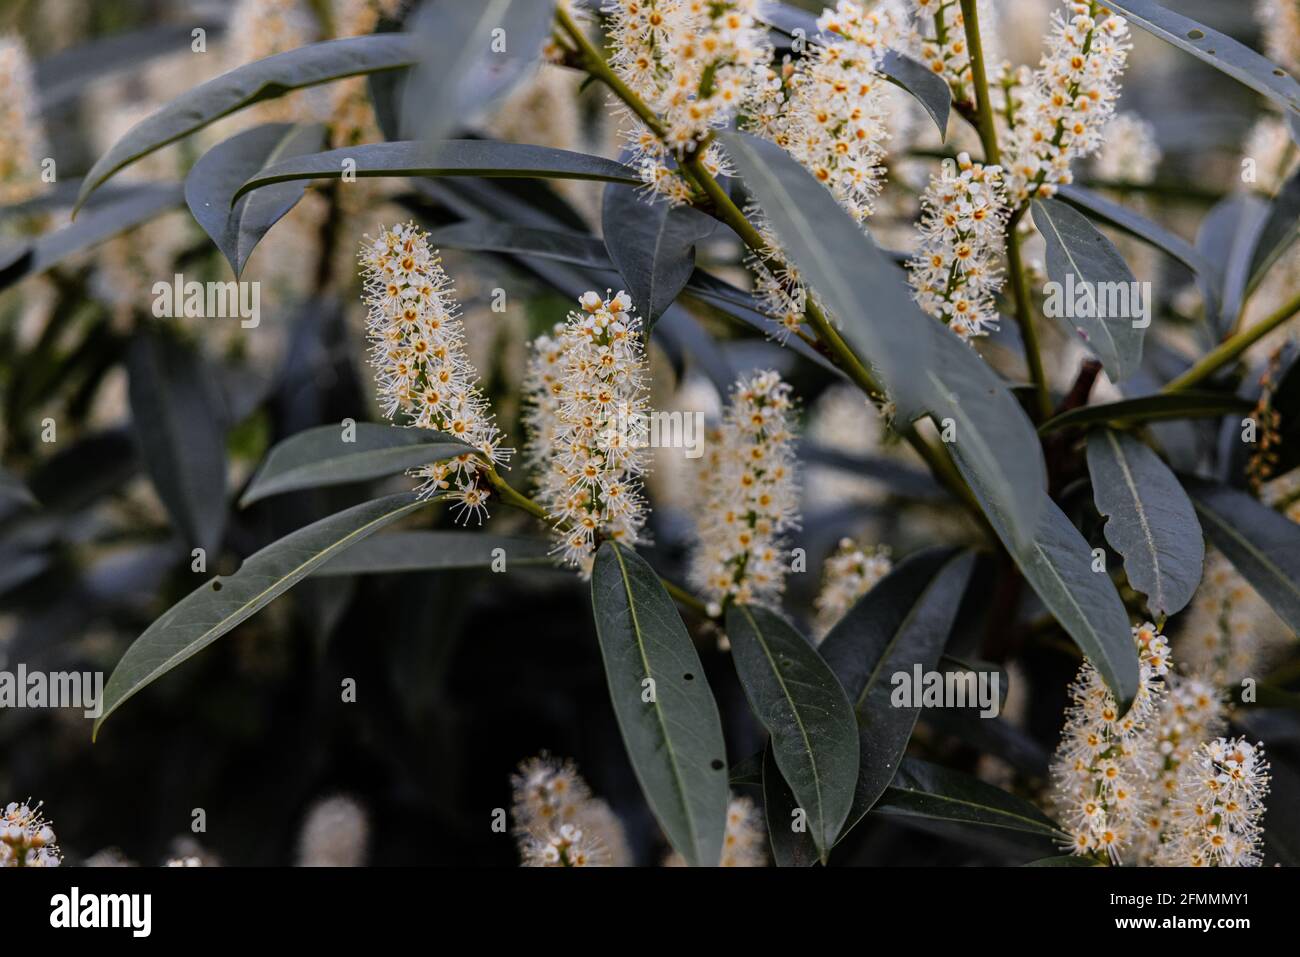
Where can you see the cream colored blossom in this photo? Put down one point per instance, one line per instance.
(335, 833)
(558, 823)
(1219, 807)
(25, 146)
(26, 838)
(1281, 22)
(849, 574)
(1128, 152)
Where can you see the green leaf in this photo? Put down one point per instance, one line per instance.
(445, 158)
(922, 366)
(220, 171)
(1280, 229)
(1158, 407)
(1065, 860)
(1263, 545)
(922, 789)
(1222, 52)
(217, 606)
(176, 416)
(797, 698)
(1079, 258)
(338, 455)
(1139, 227)
(790, 847)
(560, 245)
(104, 221)
(1227, 237)
(902, 623)
(419, 551)
(474, 53)
(674, 739)
(1151, 520)
(251, 83)
(653, 247)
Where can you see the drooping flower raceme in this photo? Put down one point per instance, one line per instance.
(1219, 807)
(26, 838)
(849, 574)
(558, 823)
(695, 63)
(744, 843)
(24, 148)
(954, 274)
(588, 422)
(1072, 96)
(750, 497)
(1191, 713)
(1101, 769)
(417, 349)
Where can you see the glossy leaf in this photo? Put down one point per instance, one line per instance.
(560, 245)
(217, 606)
(177, 419)
(1083, 262)
(1158, 407)
(665, 710)
(796, 697)
(417, 551)
(212, 182)
(338, 454)
(1280, 229)
(1151, 522)
(1263, 545)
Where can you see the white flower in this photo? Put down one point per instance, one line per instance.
(417, 348)
(744, 842)
(263, 28)
(25, 146)
(1072, 96)
(1101, 769)
(334, 834)
(26, 838)
(588, 424)
(1219, 806)
(1281, 22)
(696, 64)
(1128, 152)
(849, 574)
(1273, 156)
(750, 496)
(557, 821)
(937, 38)
(954, 272)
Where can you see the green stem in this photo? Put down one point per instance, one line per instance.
(988, 133)
(1233, 347)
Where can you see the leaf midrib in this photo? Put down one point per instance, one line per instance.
(1141, 511)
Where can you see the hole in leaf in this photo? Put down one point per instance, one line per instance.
(1195, 34)
(216, 585)
(1279, 72)
(688, 676)
(717, 764)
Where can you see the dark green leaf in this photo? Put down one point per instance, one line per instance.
(217, 606)
(1083, 261)
(474, 53)
(787, 827)
(436, 551)
(337, 455)
(922, 789)
(1263, 545)
(1279, 231)
(561, 245)
(219, 172)
(445, 158)
(1151, 521)
(652, 245)
(1222, 52)
(1227, 237)
(249, 84)
(176, 415)
(1065, 860)
(797, 698)
(1158, 407)
(673, 739)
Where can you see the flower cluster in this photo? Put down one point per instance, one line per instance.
(1128, 152)
(20, 160)
(1281, 22)
(1229, 632)
(417, 348)
(954, 273)
(26, 838)
(351, 116)
(263, 28)
(588, 422)
(938, 39)
(1219, 807)
(695, 64)
(1072, 96)
(558, 823)
(744, 842)
(849, 574)
(1101, 770)
(750, 496)
(1191, 713)
(335, 833)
